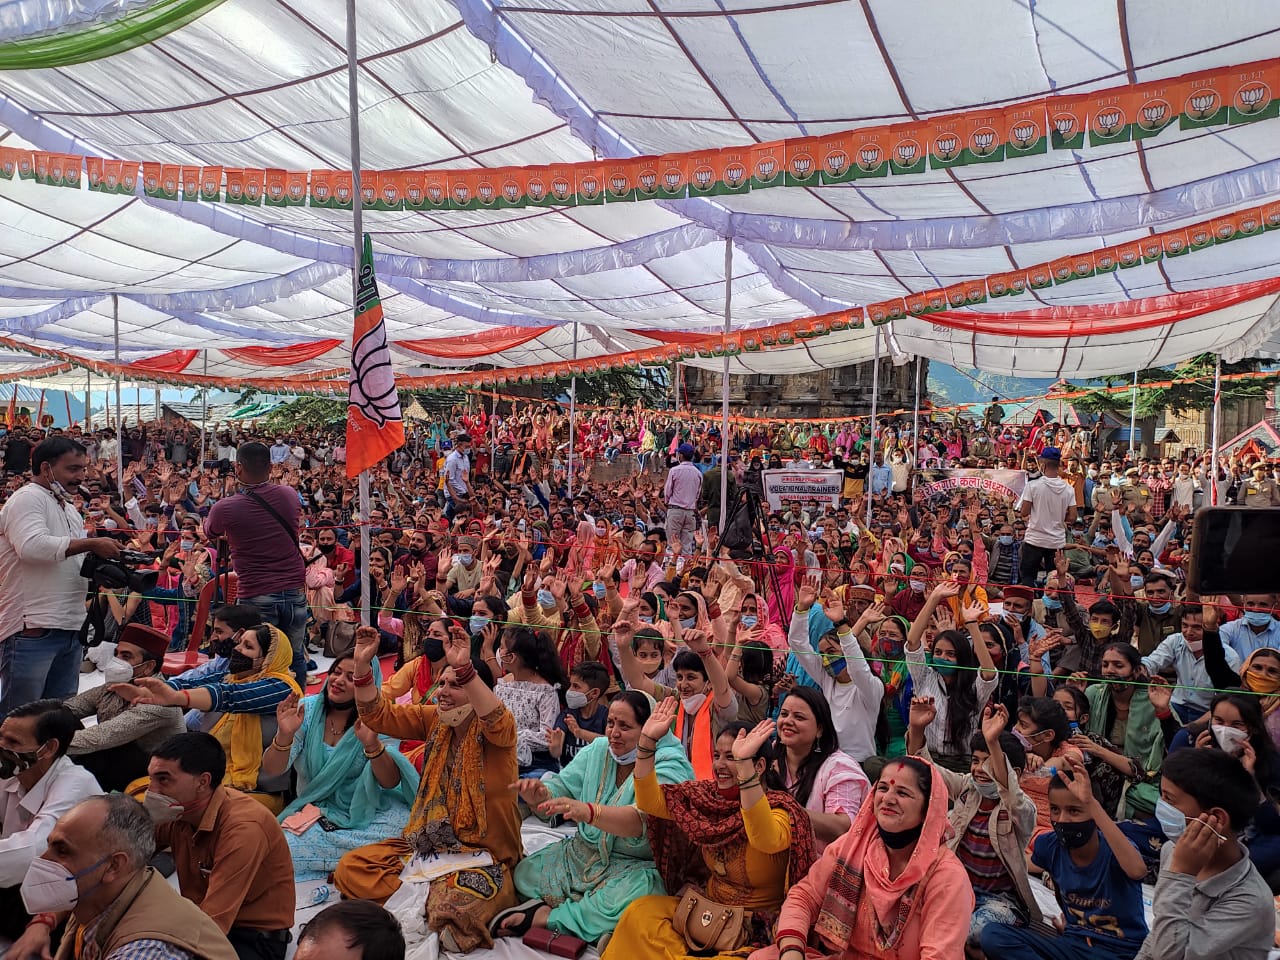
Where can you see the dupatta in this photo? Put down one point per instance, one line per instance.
(241, 733)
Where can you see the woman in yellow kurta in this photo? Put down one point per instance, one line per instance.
(737, 844)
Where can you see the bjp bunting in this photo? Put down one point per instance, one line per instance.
(1216, 97)
(374, 424)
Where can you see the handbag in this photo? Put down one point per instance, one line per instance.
(708, 926)
(555, 943)
(337, 637)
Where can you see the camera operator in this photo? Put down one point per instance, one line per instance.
(42, 593)
(261, 525)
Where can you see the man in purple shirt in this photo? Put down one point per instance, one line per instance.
(261, 525)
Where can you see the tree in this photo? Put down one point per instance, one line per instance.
(306, 413)
(1195, 393)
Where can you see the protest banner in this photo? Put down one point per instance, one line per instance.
(822, 486)
(936, 485)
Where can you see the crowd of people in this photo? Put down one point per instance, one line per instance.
(927, 721)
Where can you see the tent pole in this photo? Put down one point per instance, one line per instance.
(1133, 412)
(204, 409)
(573, 409)
(875, 395)
(156, 391)
(115, 319)
(915, 426)
(357, 230)
(724, 383)
(88, 401)
(1217, 416)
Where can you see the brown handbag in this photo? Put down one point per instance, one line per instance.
(708, 926)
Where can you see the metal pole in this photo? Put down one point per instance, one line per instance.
(156, 391)
(1217, 416)
(724, 384)
(115, 319)
(88, 401)
(1133, 412)
(915, 427)
(357, 229)
(573, 408)
(875, 396)
(204, 409)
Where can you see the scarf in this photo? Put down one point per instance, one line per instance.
(703, 818)
(241, 733)
(340, 780)
(1270, 703)
(862, 872)
(449, 814)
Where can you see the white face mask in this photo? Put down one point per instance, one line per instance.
(49, 888)
(694, 703)
(1229, 738)
(117, 671)
(989, 790)
(457, 716)
(162, 809)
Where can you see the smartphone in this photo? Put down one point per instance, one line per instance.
(1233, 550)
(209, 464)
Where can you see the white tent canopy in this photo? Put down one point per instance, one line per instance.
(475, 83)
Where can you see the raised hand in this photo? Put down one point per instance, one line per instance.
(290, 713)
(995, 719)
(697, 641)
(1160, 693)
(972, 612)
(1078, 781)
(834, 609)
(748, 743)
(807, 594)
(922, 712)
(367, 640)
(661, 719)
(1042, 645)
(1198, 844)
(946, 589)
(368, 737)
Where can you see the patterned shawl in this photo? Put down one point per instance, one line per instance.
(449, 814)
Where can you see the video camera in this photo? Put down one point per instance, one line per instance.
(121, 572)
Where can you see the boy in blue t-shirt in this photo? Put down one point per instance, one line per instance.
(1097, 874)
(584, 717)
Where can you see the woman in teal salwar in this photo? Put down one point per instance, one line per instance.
(361, 782)
(581, 885)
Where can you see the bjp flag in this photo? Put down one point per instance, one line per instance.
(374, 424)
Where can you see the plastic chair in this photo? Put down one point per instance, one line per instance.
(180, 661)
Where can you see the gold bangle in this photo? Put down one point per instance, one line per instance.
(382, 748)
(275, 745)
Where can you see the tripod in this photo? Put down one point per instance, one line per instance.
(746, 531)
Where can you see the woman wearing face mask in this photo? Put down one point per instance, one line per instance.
(737, 843)
(359, 782)
(533, 691)
(958, 677)
(581, 885)
(1259, 674)
(755, 620)
(257, 678)
(809, 764)
(1236, 726)
(888, 889)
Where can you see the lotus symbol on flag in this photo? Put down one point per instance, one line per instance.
(435, 192)
(735, 173)
(1083, 265)
(1065, 125)
(149, 183)
(561, 187)
(1273, 218)
(878, 313)
(1225, 230)
(703, 176)
(1062, 271)
(511, 191)
(870, 157)
(235, 189)
(1039, 277)
(766, 168)
(1024, 133)
(537, 189)
(55, 169)
(390, 194)
(590, 186)
(72, 175)
(486, 192)
(415, 194)
(368, 193)
(671, 179)
(937, 300)
(956, 298)
(1109, 121)
(277, 190)
(618, 183)
(253, 190)
(1154, 113)
(1019, 284)
(982, 141)
(1200, 237)
(1249, 224)
(461, 193)
(321, 191)
(998, 287)
(211, 185)
(344, 193)
(906, 154)
(1128, 257)
(1202, 104)
(802, 165)
(946, 146)
(130, 181)
(1252, 98)
(648, 181)
(837, 162)
(1175, 244)
(1105, 260)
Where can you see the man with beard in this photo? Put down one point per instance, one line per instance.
(337, 557)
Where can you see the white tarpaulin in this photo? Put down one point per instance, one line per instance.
(479, 84)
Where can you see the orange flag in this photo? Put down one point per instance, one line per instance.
(374, 425)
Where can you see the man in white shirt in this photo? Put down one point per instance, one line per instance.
(681, 490)
(1184, 653)
(41, 590)
(1048, 505)
(279, 452)
(38, 784)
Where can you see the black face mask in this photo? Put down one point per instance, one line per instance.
(327, 548)
(1074, 834)
(433, 649)
(13, 762)
(417, 552)
(240, 662)
(223, 648)
(900, 839)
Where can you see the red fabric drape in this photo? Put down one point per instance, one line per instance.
(282, 356)
(175, 361)
(471, 346)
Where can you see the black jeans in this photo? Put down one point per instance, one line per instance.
(116, 767)
(258, 944)
(1032, 560)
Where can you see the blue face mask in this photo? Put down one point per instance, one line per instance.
(465, 559)
(645, 618)
(943, 668)
(837, 666)
(1159, 609)
(1257, 618)
(1136, 582)
(1172, 820)
(749, 620)
(688, 623)
(1005, 539)
(479, 623)
(599, 590)
(546, 599)
(1052, 604)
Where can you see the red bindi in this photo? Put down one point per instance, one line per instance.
(893, 783)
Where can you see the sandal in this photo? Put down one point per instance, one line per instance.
(526, 911)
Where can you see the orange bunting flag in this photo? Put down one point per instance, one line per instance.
(374, 424)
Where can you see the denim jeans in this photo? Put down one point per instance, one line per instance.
(1000, 941)
(286, 609)
(45, 664)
